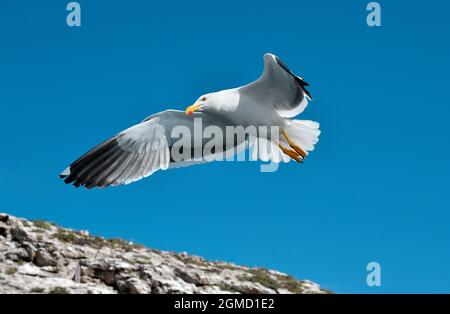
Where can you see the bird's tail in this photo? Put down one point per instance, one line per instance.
(304, 133)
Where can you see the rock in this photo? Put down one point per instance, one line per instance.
(3, 232)
(29, 270)
(107, 276)
(247, 287)
(4, 218)
(77, 274)
(133, 286)
(43, 258)
(73, 253)
(30, 252)
(20, 235)
(192, 276)
(284, 291)
(310, 287)
(50, 269)
(57, 260)
(18, 254)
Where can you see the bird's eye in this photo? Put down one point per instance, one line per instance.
(204, 99)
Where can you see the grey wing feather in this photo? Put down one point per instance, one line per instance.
(279, 88)
(139, 151)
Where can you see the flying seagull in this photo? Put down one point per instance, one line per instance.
(271, 101)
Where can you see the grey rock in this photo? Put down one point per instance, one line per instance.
(50, 269)
(192, 276)
(57, 260)
(30, 252)
(20, 235)
(77, 274)
(73, 253)
(3, 232)
(18, 254)
(134, 286)
(107, 276)
(4, 218)
(29, 270)
(43, 258)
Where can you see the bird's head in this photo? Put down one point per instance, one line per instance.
(214, 102)
(203, 103)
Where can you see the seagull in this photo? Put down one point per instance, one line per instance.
(276, 97)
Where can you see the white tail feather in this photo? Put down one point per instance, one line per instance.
(304, 133)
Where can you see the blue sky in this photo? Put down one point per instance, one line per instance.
(375, 189)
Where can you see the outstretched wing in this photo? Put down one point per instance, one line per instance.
(141, 150)
(278, 88)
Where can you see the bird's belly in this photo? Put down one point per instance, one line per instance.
(256, 115)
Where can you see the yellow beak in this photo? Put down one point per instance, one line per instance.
(191, 109)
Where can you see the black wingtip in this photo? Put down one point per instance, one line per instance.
(298, 79)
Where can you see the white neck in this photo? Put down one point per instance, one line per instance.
(226, 100)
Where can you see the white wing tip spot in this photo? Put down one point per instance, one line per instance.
(66, 172)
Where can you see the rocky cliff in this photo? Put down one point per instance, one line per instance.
(40, 257)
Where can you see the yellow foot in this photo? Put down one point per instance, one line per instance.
(297, 149)
(291, 153)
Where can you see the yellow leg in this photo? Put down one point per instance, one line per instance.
(299, 151)
(294, 155)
